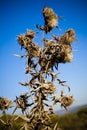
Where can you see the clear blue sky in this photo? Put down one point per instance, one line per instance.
(18, 15)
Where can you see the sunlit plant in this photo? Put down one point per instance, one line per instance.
(42, 70)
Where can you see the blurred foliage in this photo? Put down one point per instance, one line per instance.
(76, 121)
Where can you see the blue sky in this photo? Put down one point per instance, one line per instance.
(18, 15)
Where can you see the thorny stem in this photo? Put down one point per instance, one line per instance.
(41, 81)
(42, 40)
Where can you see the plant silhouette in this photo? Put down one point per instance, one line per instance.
(42, 61)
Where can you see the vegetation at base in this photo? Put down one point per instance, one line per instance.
(76, 121)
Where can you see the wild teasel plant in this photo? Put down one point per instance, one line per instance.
(43, 80)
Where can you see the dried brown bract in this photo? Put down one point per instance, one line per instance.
(22, 102)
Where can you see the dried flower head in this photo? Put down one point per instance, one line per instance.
(51, 19)
(26, 41)
(49, 87)
(68, 37)
(55, 53)
(66, 101)
(5, 103)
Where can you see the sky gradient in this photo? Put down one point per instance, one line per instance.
(18, 15)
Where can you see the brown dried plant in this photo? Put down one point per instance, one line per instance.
(5, 103)
(40, 69)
